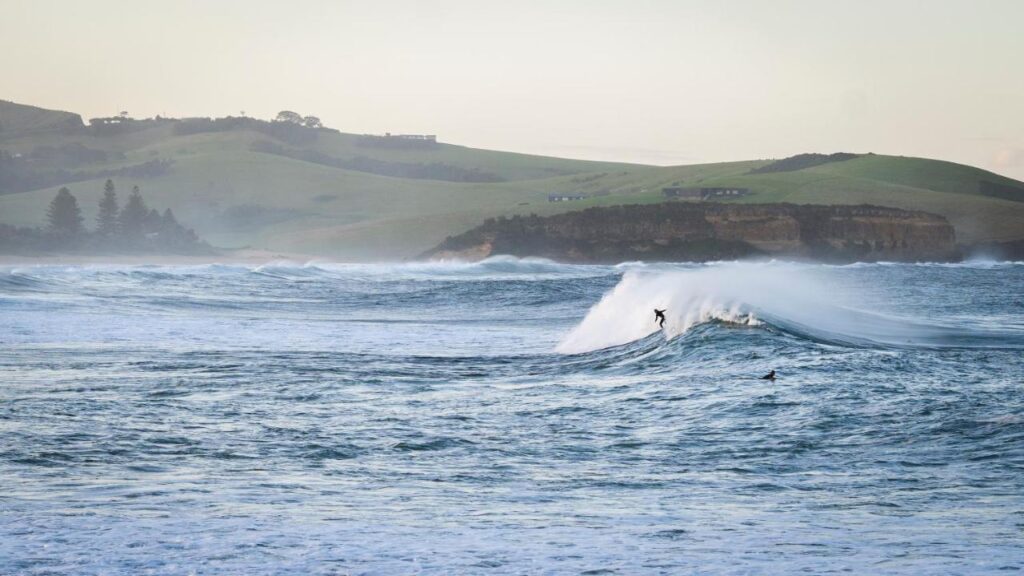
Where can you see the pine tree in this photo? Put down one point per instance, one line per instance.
(152, 222)
(168, 222)
(106, 219)
(133, 216)
(64, 215)
(172, 235)
(169, 227)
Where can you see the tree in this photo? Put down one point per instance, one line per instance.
(133, 216)
(289, 117)
(312, 122)
(106, 219)
(64, 214)
(169, 226)
(168, 221)
(152, 222)
(174, 235)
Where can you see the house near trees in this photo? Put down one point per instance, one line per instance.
(566, 197)
(704, 193)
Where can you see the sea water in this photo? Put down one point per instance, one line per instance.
(512, 417)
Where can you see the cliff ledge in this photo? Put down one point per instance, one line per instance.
(683, 231)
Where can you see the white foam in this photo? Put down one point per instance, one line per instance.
(800, 298)
(691, 297)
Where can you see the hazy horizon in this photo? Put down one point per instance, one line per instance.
(653, 82)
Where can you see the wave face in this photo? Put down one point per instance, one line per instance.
(511, 416)
(795, 299)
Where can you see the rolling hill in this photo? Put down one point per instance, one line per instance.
(242, 182)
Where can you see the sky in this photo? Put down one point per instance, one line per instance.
(648, 81)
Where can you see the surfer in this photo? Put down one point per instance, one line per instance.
(769, 376)
(659, 317)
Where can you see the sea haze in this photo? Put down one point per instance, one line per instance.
(511, 417)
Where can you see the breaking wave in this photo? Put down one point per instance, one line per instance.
(789, 298)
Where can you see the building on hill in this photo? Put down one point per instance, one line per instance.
(109, 121)
(703, 193)
(680, 192)
(425, 137)
(723, 192)
(421, 137)
(565, 197)
(389, 140)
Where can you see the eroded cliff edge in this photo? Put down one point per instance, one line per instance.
(681, 231)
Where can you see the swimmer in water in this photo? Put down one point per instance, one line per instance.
(659, 317)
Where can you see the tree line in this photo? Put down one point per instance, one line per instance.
(802, 161)
(21, 173)
(134, 227)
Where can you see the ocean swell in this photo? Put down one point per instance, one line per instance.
(788, 298)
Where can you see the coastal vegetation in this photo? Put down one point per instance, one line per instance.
(291, 184)
(133, 228)
(802, 161)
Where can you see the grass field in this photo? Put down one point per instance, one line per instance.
(236, 197)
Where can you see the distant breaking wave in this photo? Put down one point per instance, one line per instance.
(787, 298)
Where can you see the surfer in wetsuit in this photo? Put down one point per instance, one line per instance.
(769, 376)
(659, 317)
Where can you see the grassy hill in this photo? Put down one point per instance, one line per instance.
(245, 183)
(21, 119)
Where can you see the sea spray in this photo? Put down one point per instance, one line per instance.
(789, 297)
(691, 297)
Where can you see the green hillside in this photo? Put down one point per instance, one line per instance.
(246, 183)
(21, 119)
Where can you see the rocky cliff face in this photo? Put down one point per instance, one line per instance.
(680, 231)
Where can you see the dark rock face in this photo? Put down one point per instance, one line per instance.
(682, 231)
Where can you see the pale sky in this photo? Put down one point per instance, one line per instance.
(653, 81)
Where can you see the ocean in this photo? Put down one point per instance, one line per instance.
(512, 417)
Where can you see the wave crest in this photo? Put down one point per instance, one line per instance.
(787, 298)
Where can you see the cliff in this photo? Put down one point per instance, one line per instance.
(683, 231)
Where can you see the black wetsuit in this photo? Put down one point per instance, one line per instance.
(659, 317)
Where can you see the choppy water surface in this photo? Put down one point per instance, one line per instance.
(511, 417)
